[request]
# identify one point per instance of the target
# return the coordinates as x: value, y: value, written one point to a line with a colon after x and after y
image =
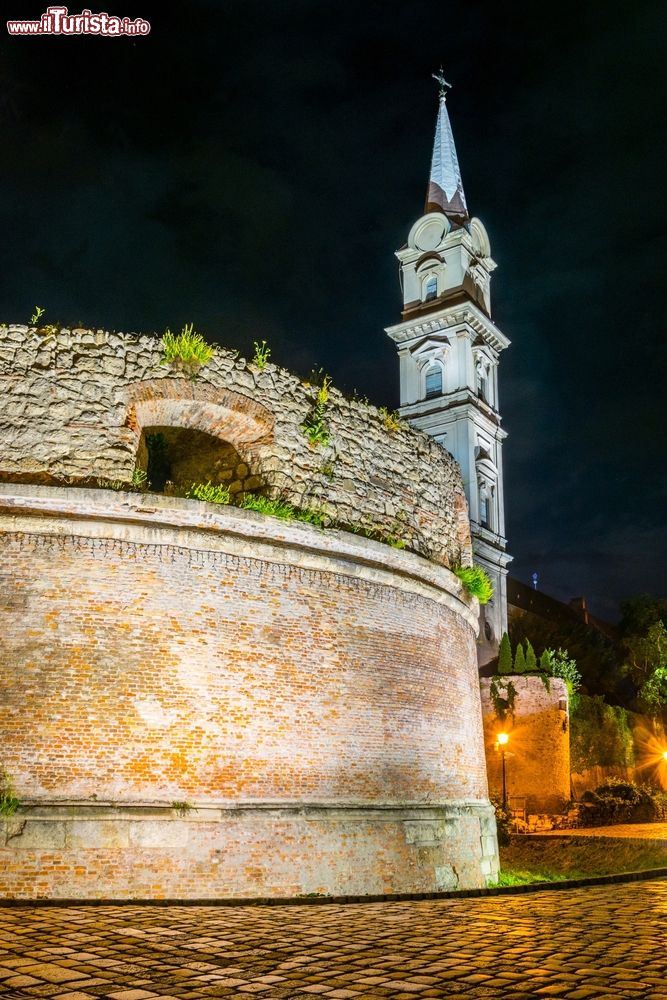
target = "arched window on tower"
x: 433, y: 380
x: 484, y: 505
x: 431, y: 288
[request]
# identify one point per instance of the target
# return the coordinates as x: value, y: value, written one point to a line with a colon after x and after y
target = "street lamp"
x: 503, y: 740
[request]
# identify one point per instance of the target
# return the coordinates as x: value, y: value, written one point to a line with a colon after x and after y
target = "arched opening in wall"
x: 174, y: 458
x: 189, y: 434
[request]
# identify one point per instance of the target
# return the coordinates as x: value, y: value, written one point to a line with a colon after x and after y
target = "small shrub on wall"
x: 209, y: 492
x: 476, y: 581
x: 186, y: 351
x: 8, y: 800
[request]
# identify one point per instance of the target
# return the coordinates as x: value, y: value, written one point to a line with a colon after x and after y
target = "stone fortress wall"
x: 203, y: 701
x: 73, y: 405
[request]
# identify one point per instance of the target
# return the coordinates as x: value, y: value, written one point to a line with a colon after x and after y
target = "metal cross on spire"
x: 440, y: 77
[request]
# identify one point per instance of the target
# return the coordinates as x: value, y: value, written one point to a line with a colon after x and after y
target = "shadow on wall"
x: 175, y: 457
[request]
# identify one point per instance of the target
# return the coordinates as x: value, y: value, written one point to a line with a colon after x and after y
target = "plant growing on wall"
x: 186, y: 351
x: 8, y: 800
x: 314, y: 426
x: 395, y: 541
x: 208, y: 493
x: 263, y: 505
x: 37, y: 315
x: 503, y: 697
x: 139, y: 480
x: 284, y: 510
x: 558, y: 663
x: 476, y: 581
x: 261, y: 355
x: 391, y: 419
x: 182, y: 807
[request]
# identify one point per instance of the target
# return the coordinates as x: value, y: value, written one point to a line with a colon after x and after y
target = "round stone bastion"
x: 206, y: 702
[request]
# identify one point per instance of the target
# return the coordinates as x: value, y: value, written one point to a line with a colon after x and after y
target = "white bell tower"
x: 449, y: 350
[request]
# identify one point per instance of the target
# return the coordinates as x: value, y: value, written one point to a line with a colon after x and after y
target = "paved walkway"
x: 594, y: 943
x: 636, y: 831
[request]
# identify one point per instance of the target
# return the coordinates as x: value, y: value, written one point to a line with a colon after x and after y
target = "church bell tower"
x: 449, y: 350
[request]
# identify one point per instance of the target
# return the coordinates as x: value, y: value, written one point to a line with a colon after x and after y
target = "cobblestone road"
x: 580, y: 944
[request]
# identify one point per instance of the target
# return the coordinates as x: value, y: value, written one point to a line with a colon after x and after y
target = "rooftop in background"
x: 521, y: 595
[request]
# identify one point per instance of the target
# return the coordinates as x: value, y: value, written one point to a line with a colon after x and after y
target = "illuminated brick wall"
x: 538, y: 751
x: 312, y: 694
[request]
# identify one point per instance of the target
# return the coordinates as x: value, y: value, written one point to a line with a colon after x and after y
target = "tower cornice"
x: 459, y: 314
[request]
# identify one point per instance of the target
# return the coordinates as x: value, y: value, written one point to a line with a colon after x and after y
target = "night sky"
x: 252, y: 167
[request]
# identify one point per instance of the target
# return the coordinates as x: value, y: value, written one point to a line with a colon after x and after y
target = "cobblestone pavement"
x: 593, y: 943
x: 635, y: 831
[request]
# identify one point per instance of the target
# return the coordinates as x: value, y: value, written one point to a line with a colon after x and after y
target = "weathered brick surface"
x: 156, y: 650
x: 73, y: 405
x: 538, y: 753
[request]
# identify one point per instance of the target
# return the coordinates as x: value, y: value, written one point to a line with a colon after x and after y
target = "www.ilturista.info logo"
x: 58, y: 21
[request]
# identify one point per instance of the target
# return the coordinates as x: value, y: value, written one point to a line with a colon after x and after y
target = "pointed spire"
x: 445, y: 188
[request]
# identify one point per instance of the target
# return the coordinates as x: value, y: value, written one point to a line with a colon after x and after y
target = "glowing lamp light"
x: 664, y: 754
x: 503, y: 739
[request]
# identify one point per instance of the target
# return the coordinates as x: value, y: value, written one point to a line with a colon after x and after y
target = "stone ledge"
x: 152, y: 519
x: 419, y: 849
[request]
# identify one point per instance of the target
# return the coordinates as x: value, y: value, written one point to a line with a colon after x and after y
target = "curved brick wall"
x: 538, y: 754
x: 313, y: 694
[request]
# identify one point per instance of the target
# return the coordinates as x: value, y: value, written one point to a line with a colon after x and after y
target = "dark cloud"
x: 252, y: 166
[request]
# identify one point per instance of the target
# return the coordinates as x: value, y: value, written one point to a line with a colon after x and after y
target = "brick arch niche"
x: 188, y: 433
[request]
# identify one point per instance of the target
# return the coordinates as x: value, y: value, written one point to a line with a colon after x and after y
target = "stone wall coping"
x: 161, y: 520
x: 39, y: 809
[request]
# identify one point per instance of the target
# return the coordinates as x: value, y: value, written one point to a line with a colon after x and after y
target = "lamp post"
x: 503, y: 740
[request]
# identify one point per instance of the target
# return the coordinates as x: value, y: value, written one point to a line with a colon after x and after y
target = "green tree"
x: 531, y: 659
x: 646, y: 662
x: 639, y: 613
x: 598, y: 658
x: 519, y: 660
x: 563, y: 666
x: 505, y: 655
x: 545, y: 662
